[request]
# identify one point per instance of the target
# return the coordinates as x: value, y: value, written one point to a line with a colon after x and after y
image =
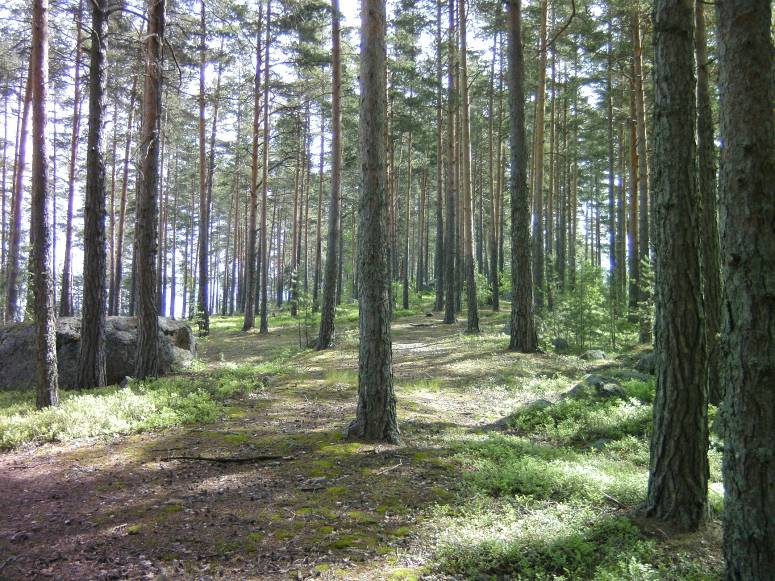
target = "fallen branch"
x: 388, y: 469
x: 237, y: 459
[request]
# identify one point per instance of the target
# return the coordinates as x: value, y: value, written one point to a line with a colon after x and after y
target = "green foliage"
x: 139, y: 407
x: 583, y: 420
x: 584, y: 316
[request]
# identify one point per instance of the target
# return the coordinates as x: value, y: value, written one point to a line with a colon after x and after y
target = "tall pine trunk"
x: 65, y: 298
x: 465, y: 170
x: 12, y: 267
x: 747, y: 188
x: 706, y: 157
x: 327, y: 318
x: 678, y: 466
x: 147, y: 364
x: 523, y: 330
x: 376, y: 412
x: 41, y: 280
x: 91, y: 360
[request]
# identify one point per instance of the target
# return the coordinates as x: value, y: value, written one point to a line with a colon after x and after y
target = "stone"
x: 560, y: 345
x: 647, y: 363
x: 596, y: 386
x: 177, y: 348
x: 507, y: 328
x: 593, y: 355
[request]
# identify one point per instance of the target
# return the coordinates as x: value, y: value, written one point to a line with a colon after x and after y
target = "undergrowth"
x: 553, y: 497
x: 141, y: 406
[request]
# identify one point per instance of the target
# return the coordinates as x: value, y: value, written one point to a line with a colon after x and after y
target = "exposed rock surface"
x: 593, y: 355
x: 177, y: 347
x: 596, y: 386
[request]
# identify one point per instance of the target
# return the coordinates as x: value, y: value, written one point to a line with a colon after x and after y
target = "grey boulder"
x: 177, y: 348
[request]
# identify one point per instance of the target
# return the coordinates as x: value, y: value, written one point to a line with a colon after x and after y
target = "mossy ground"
x: 483, y: 485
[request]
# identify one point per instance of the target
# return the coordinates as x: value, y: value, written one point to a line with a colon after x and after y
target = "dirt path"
x: 323, y: 507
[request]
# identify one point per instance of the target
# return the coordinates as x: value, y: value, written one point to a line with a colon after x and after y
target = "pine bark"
x: 65, y: 298
x: 706, y: 157
x: 747, y: 190
x: 472, y: 325
x: 263, y: 254
x: 328, y: 315
x: 376, y: 412
x: 12, y: 267
x: 114, y: 298
x: 147, y: 364
x: 251, y: 234
x: 678, y: 466
x: 643, y: 180
x: 47, y: 389
x: 202, y: 303
x: 438, y: 264
x: 91, y: 359
x: 523, y: 331
x: 539, y: 276
x: 450, y: 238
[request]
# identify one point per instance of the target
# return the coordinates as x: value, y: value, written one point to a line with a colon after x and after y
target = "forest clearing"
x: 387, y: 289
x: 484, y: 483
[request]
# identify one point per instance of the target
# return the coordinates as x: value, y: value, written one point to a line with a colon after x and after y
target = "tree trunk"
x: 12, y: 268
x: 613, y: 255
x: 643, y: 181
x: 47, y: 389
x: 632, y: 242
x: 747, y: 180
x: 114, y: 299
x: 376, y: 412
x: 438, y: 264
x: 318, y: 236
x: 91, y: 360
x: 523, y: 330
x: 263, y: 254
x: 450, y: 245
x: 202, y: 306
x: 407, y: 226
x: 65, y: 298
x: 250, y: 255
x: 465, y: 168
x: 706, y: 156
x: 678, y: 466
x: 146, y: 228
x: 327, y: 318
x: 538, y: 177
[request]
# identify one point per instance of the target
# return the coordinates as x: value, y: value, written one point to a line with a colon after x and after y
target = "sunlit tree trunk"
x: 12, y: 267
x: 65, y: 298
x: 465, y: 169
x: 47, y: 388
x: 263, y: 254
x: 523, y: 331
x: 147, y: 364
x: 91, y: 360
x: 678, y: 466
x: 376, y: 412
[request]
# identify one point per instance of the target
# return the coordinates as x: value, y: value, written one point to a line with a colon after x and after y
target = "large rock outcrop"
x: 177, y: 347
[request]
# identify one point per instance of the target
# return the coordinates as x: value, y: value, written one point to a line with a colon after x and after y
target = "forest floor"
x: 483, y: 484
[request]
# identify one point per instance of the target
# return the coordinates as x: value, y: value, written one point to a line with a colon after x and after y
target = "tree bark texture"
x: 147, y: 203
x: 523, y: 330
x: 376, y: 412
x: 747, y: 188
x: 678, y: 467
x: 47, y: 388
x: 91, y: 360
